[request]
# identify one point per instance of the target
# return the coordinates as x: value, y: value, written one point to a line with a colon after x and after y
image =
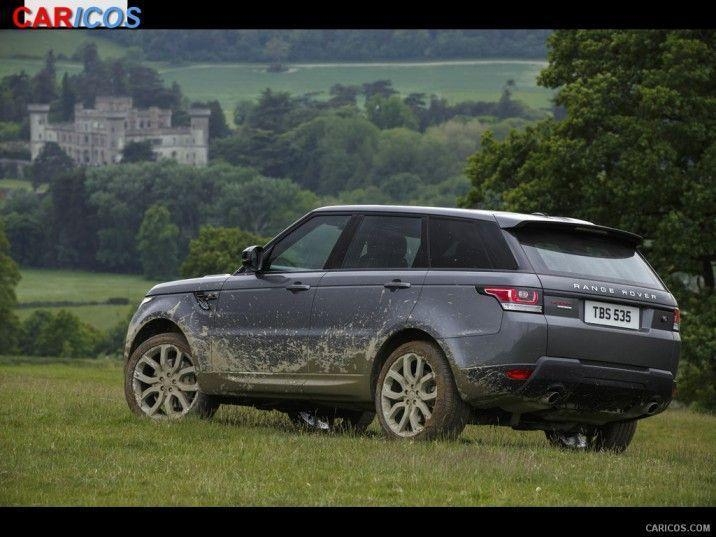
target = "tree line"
x: 275, y: 46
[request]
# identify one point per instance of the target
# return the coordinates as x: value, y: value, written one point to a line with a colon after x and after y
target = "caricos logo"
x: 76, y: 14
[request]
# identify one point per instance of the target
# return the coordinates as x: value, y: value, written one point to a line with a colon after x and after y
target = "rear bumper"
x: 570, y: 390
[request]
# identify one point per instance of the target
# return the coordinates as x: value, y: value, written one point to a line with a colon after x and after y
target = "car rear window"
x: 386, y: 242
x: 583, y: 255
x: 468, y: 244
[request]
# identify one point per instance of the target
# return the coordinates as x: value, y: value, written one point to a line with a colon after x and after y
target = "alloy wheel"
x: 408, y: 395
x: 164, y: 382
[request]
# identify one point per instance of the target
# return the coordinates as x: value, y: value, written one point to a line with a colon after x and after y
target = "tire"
x: 413, y: 404
x: 614, y: 437
x: 158, y: 387
x: 342, y: 421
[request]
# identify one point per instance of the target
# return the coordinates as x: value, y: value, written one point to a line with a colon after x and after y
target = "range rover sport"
x: 428, y: 318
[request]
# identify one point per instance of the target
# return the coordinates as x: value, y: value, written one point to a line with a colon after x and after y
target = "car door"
x: 262, y: 319
x: 372, y: 289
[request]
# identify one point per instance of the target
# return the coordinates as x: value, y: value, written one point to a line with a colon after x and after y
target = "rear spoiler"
x: 630, y: 238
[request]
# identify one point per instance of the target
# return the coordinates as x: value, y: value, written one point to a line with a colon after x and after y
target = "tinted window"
x: 386, y: 242
x: 308, y: 246
x: 586, y: 256
x: 468, y: 244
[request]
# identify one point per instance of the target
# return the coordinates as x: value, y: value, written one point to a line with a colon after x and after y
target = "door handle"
x: 298, y: 286
x: 397, y: 284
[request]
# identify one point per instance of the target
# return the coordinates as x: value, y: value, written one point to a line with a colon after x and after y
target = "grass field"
x: 102, y: 316
x: 35, y: 44
x: 38, y: 285
x: 456, y: 81
x: 69, y: 439
x: 15, y: 184
x: 231, y: 83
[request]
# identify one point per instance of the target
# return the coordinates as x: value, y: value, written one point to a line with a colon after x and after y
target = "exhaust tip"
x: 652, y: 407
x: 553, y: 396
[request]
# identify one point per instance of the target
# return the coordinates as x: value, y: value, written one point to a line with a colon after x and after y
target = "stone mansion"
x: 98, y: 135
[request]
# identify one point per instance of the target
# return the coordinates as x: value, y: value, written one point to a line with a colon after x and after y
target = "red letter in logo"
x: 62, y: 17
x: 42, y: 19
x: 16, y: 17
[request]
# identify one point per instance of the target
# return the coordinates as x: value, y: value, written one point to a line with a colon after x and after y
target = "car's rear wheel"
x: 615, y: 437
x: 356, y: 421
x: 160, y: 380
x: 416, y: 396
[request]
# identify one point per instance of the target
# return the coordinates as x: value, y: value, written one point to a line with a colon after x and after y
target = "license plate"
x: 611, y: 314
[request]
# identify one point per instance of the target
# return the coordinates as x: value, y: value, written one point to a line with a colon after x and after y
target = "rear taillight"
x: 677, y: 319
x: 518, y: 374
x: 516, y: 298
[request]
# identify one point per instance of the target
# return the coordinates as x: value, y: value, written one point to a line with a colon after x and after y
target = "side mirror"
x: 252, y: 258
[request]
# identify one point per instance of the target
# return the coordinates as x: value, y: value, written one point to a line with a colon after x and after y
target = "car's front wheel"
x: 160, y: 380
x: 416, y: 396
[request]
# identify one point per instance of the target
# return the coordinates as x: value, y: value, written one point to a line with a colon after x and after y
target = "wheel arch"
x: 152, y: 328
x: 395, y: 340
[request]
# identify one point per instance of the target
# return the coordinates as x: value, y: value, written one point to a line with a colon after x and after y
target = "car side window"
x: 308, y: 246
x: 468, y: 244
x: 386, y: 242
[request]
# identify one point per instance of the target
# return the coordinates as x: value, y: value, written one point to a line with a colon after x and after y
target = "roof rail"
x: 540, y: 214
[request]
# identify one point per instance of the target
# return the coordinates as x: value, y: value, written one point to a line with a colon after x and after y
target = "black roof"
x: 504, y: 219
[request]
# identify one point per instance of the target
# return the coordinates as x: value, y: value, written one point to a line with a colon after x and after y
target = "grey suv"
x: 429, y: 318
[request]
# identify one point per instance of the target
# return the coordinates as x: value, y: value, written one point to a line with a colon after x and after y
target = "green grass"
x: 69, y: 439
x: 456, y: 81
x: 15, y: 184
x: 231, y: 83
x: 79, y: 286
x: 40, y: 285
x: 21, y: 184
x: 12, y: 66
x: 102, y: 316
x: 35, y: 44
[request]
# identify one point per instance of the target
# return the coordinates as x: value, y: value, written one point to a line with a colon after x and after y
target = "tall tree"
x: 379, y: 88
x: 272, y: 111
x: 119, y: 83
x: 138, y: 152
x: 147, y: 89
x: 217, y: 250
x: 15, y: 94
x: 343, y: 95
x: 390, y: 113
x: 94, y: 79
x: 157, y: 243
x: 68, y: 97
x: 51, y: 162
x: 264, y: 206
x: 44, y: 85
x: 218, y: 128
x: 9, y: 278
x: 74, y: 221
x: 277, y: 51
